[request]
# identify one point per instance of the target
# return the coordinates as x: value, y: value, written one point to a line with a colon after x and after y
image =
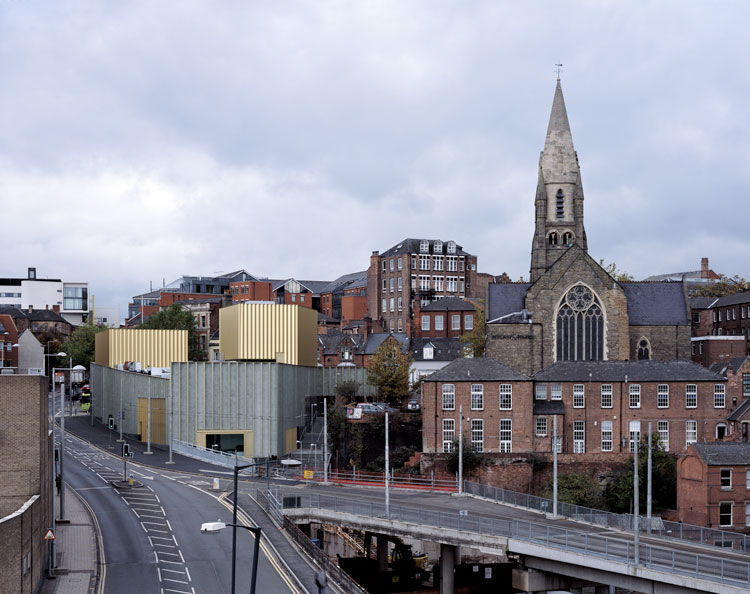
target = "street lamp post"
x: 214, y: 527
x: 460, y: 448
x: 314, y: 448
x: 387, y: 491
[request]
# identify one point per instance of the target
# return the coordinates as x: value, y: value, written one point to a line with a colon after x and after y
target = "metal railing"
x: 658, y: 526
x: 270, y: 502
x: 614, y: 548
x: 377, y: 479
x: 208, y: 455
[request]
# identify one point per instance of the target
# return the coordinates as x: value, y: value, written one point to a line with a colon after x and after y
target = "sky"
x: 141, y: 140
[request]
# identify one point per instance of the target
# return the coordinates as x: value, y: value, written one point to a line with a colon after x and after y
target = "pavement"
x: 78, y: 541
x: 77, y: 549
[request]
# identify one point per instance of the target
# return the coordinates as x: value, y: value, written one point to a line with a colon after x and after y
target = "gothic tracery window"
x: 580, y: 326
x: 644, y: 349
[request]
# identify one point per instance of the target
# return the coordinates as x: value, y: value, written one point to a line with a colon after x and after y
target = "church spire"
x: 559, y: 194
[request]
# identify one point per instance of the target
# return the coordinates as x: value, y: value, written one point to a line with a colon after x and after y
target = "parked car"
x: 413, y: 405
x: 385, y: 407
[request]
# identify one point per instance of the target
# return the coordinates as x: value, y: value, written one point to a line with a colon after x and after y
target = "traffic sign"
x: 50, y: 535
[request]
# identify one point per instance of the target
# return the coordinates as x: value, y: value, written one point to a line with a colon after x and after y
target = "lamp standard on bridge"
x: 215, y: 527
x: 387, y: 491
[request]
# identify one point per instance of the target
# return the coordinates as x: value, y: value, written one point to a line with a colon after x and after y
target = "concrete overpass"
x: 548, y: 556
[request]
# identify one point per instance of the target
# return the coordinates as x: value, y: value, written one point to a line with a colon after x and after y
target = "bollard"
x: 130, y: 481
x: 216, y: 484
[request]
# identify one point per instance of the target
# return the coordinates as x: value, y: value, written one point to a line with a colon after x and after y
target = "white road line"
x: 144, y: 528
x: 159, y: 531
x: 163, y: 538
x: 175, y: 571
x: 188, y: 573
x: 158, y: 571
x: 171, y: 555
x: 136, y: 513
x: 180, y: 591
x: 170, y: 525
x: 89, y: 488
x: 165, y: 561
x: 155, y: 524
x: 176, y: 581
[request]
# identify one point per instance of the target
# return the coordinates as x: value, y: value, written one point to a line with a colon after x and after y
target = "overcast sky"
x: 140, y: 141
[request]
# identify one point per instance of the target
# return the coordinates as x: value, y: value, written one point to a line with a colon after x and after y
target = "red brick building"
x: 710, y: 350
x: 336, y: 348
x: 496, y: 403
x: 345, y: 299
x: 446, y: 318
x: 713, y: 486
x: 417, y: 269
x: 251, y: 291
x: 725, y: 320
x: 602, y: 407
x: 8, y: 338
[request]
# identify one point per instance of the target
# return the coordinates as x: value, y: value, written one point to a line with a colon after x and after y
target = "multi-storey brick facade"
x: 446, y: 318
x: 713, y: 486
x: 25, y: 489
x: 602, y: 407
x: 710, y: 350
x: 242, y: 291
x: 424, y: 269
x: 725, y: 316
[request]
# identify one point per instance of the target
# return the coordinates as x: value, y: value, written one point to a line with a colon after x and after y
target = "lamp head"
x: 212, y: 527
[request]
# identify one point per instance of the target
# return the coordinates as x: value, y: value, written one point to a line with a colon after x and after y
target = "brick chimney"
x: 56, y: 308
x: 31, y: 308
x: 704, y: 267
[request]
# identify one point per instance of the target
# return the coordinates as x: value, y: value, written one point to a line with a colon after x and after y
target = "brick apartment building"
x: 47, y: 325
x: 602, y: 407
x: 26, y: 488
x: 417, y: 269
x: 205, y: 310
x: 727, y: 316
x: 446, y: 318
x: 345, y: 299
x: 713, y: 486
x: 249, y: 290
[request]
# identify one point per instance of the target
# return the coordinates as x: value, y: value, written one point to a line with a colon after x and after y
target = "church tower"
x: 559, y: 194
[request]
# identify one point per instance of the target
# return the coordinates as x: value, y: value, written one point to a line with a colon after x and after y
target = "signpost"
x: 126, y: 453
x: 50, y: 538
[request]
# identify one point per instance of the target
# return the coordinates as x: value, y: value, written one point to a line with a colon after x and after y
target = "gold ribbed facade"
x: 269, y: 332
x: 151, y: 348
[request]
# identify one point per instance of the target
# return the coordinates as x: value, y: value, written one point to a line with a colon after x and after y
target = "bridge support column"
x: 447, y: 568
x: 382, y: 553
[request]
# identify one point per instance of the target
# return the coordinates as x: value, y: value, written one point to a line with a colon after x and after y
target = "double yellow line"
x: 244, y: 519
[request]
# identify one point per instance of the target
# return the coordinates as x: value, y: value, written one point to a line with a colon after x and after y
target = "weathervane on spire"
x: 559, y: 70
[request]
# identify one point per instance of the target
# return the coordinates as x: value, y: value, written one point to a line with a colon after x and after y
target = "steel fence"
x: 377, y: 479
x: 605, y: 546
x: 605, y: 519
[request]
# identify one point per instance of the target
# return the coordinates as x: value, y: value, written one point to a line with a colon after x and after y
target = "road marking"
x: 90, y: 488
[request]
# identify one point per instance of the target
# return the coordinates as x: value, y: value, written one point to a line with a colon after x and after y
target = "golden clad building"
x: 269, y: 332
x: 151, y: 348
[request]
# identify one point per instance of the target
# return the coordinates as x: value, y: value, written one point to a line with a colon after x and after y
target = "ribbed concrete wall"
x: 108, y: 384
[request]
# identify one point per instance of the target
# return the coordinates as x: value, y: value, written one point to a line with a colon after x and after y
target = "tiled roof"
x: 333, y: 340
x: 701, y: 302
x: 449, y: 304
x: 633, y: 371
x: 35, y: 315
x: 740, y: 411
x: 720, y: 453
x: 735, y: 299
x: 475, y: 369
x: 411, y: 246
x: 506, y: 299
x: 327, y: 319
x: 199, y: 300
x: 721, y: 367
x: 347, y: 281
x: 374, y: 341
x: 445, y: 349
x: 656, y: 304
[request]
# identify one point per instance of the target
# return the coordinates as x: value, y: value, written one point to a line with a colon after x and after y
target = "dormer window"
x: 424, y: 246
x: 438, y: 247
x: 451, y: 247
x: 560, y: 204
x: 428, y: 351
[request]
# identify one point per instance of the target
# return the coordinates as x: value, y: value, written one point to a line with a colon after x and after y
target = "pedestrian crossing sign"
x: 50, y: 535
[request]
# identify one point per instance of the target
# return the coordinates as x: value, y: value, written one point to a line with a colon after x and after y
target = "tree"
x: 470, y: 459
x: 347, y: 390
x: 176, y: 318
x: 619, y: 495
x: 389, y: 372
x: 722, y: 287
x: 474, y: 341
x: 619, y: 275
x: 81, y: 344
x: 577, y: 489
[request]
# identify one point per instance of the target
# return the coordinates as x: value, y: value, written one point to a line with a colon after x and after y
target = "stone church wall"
x: 667, y: 342
x: 519, y: 346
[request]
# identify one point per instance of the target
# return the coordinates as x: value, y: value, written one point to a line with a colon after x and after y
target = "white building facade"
x: 70, y: 299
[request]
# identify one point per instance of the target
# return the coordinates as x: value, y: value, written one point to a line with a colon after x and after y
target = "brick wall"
x: 717, y: 349
x: 25, y: 446
x: 518, y: 346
